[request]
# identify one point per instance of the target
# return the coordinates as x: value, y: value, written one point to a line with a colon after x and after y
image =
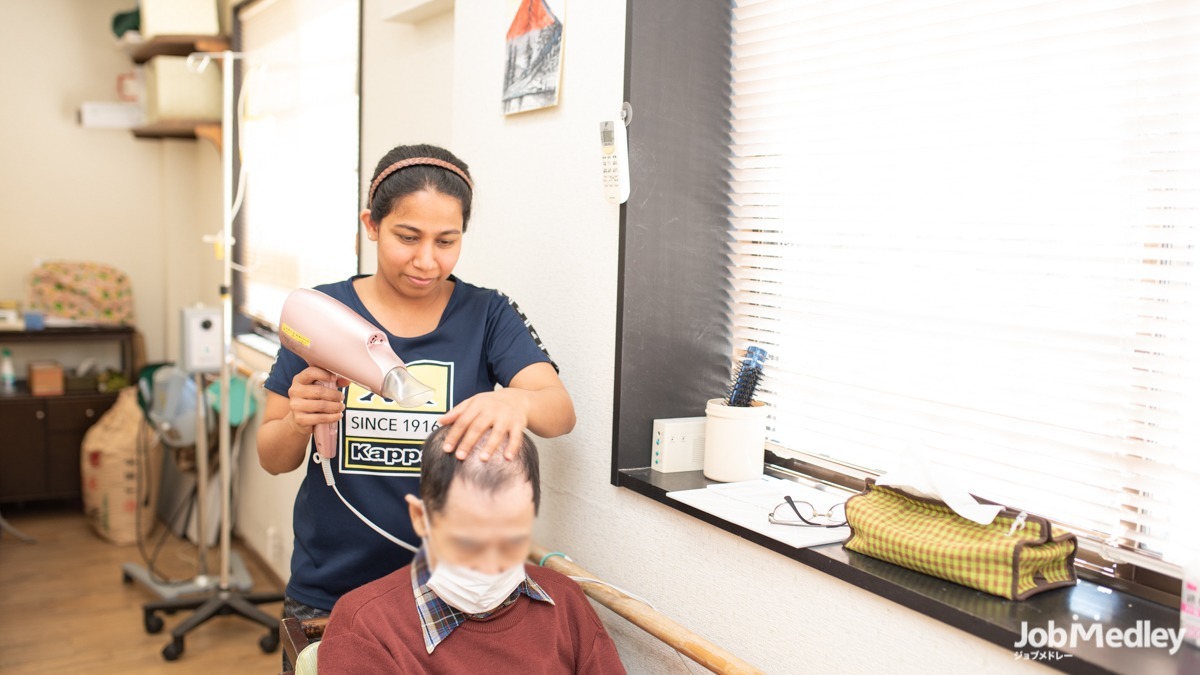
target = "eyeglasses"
x: 803, y: 514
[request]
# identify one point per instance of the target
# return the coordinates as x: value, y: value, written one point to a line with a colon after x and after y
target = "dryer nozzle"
x: 406, y: 390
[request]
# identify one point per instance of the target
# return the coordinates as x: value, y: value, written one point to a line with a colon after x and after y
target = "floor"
x: 65, y: 608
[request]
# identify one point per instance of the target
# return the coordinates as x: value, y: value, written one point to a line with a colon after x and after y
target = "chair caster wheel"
x: 269, y: 642
x: 152, y: 622
x: 126, y: 578
x: 173, y: 650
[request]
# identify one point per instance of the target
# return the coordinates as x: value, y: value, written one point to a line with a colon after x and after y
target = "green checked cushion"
x: 927, y: 536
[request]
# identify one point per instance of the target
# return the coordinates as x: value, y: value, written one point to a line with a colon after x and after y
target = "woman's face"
x: 419, y: 242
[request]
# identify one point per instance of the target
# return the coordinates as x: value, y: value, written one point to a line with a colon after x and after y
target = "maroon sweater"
x: 376, y: 629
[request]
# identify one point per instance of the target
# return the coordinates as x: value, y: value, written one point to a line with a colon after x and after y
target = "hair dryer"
x: 327, y: 334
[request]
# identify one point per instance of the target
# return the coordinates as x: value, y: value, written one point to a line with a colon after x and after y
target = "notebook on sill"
x: 747, y: 504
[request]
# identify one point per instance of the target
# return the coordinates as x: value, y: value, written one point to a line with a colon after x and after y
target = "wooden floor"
x: 64, y: 607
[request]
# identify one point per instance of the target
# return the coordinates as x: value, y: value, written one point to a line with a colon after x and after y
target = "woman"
x: 460, y: 339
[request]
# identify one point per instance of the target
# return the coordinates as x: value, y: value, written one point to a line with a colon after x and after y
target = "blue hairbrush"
x: 745, y: 378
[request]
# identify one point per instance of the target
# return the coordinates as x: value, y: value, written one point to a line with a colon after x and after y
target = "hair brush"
x: 745, y: 377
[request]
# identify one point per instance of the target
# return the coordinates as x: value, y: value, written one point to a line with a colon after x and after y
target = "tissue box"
x: 174, y: 92
x: 46, y: 378
x: 179, y: 17
x: 82, y: 384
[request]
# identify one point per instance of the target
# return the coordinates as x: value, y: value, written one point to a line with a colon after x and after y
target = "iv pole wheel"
x: 173, y: 650
x: 152, y: 622
x: 269, y: 642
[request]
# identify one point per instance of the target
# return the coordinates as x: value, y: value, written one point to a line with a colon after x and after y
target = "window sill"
x: 985, y: 616
x: 256, y: 353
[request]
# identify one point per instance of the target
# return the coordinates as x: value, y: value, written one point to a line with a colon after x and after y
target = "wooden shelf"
x: 209, y: 131
x: 176, y: 45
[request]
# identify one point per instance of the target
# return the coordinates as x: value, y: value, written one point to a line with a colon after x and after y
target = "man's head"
x: 480, y: 514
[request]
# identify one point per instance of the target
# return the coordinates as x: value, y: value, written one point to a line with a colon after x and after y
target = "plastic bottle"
x: 8, y: 375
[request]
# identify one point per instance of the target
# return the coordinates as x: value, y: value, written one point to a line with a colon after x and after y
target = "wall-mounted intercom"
x: 614, y: 160
x: 203, y: 340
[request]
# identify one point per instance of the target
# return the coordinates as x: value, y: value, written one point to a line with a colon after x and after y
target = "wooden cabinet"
x: 41, y: 454
x: 40, y: 449
x: 22, y: 453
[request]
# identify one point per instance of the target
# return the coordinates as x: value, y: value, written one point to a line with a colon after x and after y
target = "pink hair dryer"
x: 329, y: 335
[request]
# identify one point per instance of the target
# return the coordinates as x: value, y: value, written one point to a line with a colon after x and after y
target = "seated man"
x: 468, y: 603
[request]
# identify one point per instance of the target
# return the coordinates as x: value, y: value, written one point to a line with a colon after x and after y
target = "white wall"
x: 97, y: 195
x: 407, y: 83
x: 544, y: 234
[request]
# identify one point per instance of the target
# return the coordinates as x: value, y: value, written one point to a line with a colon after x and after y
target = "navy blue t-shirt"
x: 482, y: 340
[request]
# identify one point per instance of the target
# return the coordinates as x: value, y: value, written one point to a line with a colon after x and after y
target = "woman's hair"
x: 416, y: 177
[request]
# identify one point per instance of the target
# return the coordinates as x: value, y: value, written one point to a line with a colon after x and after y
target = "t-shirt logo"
x: 380, y: 438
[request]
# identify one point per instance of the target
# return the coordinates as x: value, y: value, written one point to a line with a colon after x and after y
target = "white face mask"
x: 468, y: 590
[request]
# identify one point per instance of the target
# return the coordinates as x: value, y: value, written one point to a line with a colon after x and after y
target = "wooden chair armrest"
x: 296, y: 634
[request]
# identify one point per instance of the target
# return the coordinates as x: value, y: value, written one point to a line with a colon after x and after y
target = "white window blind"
x: 970, y: 228
x: 299, y: 148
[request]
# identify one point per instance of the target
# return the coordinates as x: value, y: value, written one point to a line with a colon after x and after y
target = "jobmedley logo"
x: 1042, y: 643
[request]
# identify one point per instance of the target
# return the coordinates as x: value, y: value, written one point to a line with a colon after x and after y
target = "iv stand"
x: 224, y: 599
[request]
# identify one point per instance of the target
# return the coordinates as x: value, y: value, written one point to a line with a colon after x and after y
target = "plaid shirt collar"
x: 438, y: 619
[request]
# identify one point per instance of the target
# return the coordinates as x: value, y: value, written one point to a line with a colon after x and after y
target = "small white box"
x: 111, y: 115
x: 175, y: 92
x: 678, y: 444
x: 203, y: 340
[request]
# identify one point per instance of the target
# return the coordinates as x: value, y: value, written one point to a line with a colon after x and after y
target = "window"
x: 969, y: 228
x: 298, y: 150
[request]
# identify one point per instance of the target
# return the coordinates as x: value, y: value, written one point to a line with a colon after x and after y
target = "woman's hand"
x: 535, y: 399
x: 503, y: 412
x: 288, y: 421
x: 312, y: 400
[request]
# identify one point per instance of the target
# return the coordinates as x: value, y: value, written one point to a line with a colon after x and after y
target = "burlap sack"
x: 111, y: 463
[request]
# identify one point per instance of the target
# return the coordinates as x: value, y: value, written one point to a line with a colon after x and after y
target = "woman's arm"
x: 534, y: 399
x: 288, y: 421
